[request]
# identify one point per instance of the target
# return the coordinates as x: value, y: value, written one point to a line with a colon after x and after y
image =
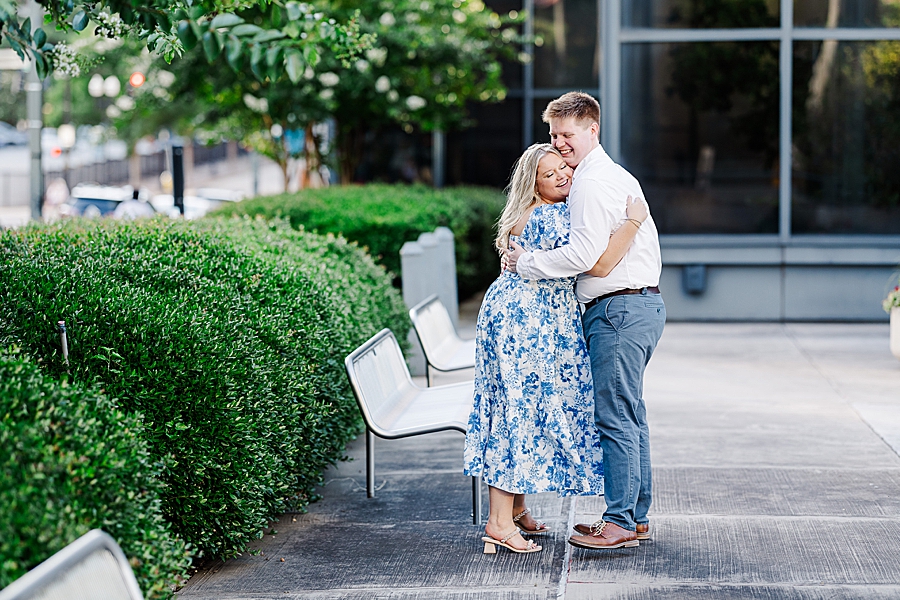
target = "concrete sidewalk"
x: 774, y: 478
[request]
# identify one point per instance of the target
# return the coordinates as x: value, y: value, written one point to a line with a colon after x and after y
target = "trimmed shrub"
x: 72, y: 461
x: 229, y: 337
x: 382, y: 217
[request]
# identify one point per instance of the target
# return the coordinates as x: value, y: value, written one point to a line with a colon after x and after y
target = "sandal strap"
x: 521, y: 514
x: 510, y: 536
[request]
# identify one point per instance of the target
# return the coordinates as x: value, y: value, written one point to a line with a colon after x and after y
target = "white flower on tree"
x: 382, y: 84
x: 64, y: 60
x: 329, y: 79
x: 377, y: 56
x: 260, y: 105
x: 415, y: 102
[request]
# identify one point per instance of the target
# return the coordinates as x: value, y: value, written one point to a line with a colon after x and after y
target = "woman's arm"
x: 635, y: 213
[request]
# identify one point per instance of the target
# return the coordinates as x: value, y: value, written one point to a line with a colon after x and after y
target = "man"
x: 623, y: 318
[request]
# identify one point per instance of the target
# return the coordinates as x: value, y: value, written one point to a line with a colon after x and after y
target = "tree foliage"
x: 429, y: 60
x: 432, y: 59
x: 277, y: 37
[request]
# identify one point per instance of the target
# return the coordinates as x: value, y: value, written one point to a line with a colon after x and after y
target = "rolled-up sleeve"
x: 594, y: 213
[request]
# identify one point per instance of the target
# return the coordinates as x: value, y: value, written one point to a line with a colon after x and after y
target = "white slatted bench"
x: 444, y: 350
x: 394, y: 407
x: 91, y: 567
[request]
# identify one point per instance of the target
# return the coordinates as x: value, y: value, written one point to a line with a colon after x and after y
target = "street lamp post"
x: 34, y: 92
x: 178, y: 177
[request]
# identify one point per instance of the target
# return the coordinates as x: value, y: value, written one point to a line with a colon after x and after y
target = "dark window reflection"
x: 390, y: 155
x: 846, y: 13
x: 846, y: 154
x: 540, y: 131
x: 566, y: 54
x: 484, y: 153
x: 700, y: 132
x: 700, y: 14
x: 512, y: 70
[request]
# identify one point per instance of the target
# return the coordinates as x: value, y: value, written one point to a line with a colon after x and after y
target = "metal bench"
x: 93, y: 566
x: 394, y: 407
x: 444, y: 350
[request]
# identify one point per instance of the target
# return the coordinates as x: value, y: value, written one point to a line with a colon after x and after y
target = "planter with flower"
x: 892, y: 305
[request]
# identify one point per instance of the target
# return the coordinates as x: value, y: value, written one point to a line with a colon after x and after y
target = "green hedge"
x: 382, y: 217
x: 72, y: 461
x: 229, y: 336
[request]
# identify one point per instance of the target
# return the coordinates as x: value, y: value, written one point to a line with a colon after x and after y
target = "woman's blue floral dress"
x: 532, y: 424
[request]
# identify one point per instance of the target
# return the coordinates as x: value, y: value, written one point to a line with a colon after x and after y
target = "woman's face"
x: 554, y: 178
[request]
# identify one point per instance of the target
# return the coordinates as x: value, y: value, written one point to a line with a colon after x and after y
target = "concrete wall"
x: 748, y: 278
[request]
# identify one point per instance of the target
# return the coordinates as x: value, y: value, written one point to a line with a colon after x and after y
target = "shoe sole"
x: 490, y: 547
x: 535, y: 532
x: 642, y: 537
x: 631, y: 544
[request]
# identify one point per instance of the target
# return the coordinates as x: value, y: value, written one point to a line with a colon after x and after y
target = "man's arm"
x: 593, y: 213
x: 636, y: 213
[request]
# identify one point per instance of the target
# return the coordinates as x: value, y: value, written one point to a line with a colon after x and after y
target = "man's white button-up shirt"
x: 597, y: 208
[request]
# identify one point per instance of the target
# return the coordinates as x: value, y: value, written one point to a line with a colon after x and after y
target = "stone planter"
x: 895, y: 331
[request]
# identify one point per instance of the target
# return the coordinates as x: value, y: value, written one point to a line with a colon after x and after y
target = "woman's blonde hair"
x: 521, y: 191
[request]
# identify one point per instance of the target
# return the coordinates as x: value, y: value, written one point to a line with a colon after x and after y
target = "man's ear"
x: 595, y: 129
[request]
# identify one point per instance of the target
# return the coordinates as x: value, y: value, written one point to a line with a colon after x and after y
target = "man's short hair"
x: 578, y: 105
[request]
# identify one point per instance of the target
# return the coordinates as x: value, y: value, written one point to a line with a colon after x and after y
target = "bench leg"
x: 370, y: 464
x: 427, y: 374
x: 476, y: 500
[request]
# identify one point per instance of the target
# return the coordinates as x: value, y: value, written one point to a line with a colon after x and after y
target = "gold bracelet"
x: 635, y: 221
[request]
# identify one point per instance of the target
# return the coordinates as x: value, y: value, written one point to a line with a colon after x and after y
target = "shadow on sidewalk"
x: 415, y: 539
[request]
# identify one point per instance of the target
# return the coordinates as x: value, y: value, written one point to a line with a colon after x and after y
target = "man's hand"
x: 512, y: 256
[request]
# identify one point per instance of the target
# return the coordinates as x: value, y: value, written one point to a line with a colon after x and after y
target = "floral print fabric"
x: 532, y: 424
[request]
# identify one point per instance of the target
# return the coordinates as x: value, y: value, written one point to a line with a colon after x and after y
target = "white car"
x: 196, y: 205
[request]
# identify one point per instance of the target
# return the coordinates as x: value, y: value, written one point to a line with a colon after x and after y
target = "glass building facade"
x: 759, y: 125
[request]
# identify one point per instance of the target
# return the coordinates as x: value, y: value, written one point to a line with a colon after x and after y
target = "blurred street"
x: 235, y: 175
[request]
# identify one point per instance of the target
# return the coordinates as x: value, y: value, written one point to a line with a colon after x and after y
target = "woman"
x: 532, y: 426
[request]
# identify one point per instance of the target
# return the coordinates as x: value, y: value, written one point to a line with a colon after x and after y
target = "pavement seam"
x: 768, y: 517
x: 567, y: 555
x: 737, y: 584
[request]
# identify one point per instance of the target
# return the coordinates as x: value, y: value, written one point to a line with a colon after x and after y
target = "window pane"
x: 846, y: 13
x: 566, y: 54
x: 512, y: 70
x: 484, y: 154
x: 540, y: 131
x: 846, y: 154
x: 700, y: 132
x: 700, y: 14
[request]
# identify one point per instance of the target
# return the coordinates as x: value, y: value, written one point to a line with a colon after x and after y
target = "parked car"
x: 197, y: 204
x: 10, y: 136
x: 91, y: 200
x: 194, y: 206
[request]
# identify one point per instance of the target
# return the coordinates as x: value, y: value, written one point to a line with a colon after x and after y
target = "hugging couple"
x: 558, y: 386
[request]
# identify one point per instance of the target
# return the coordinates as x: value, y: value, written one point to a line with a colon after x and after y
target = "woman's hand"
x: 636, y: 208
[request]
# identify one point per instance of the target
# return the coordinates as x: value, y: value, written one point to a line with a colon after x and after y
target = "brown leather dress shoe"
x: 642, y: 530
x: 605, y: 535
